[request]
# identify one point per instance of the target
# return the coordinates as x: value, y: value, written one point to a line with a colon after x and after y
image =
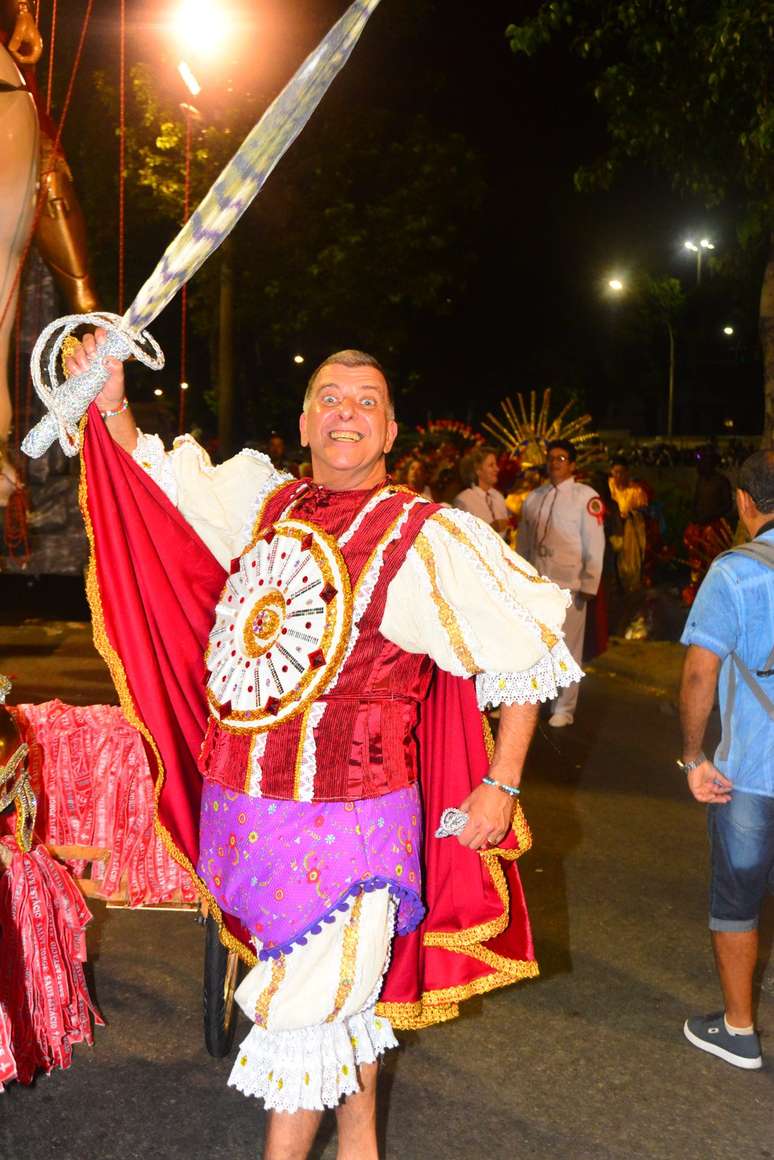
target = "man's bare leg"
x: 356, y: 1119
x: 289, y: 1135
x: 736, y: 953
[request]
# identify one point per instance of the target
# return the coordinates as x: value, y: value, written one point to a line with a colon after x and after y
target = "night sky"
x: 534, y: 313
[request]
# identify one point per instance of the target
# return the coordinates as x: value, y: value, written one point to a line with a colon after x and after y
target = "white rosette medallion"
x: 281, y: 626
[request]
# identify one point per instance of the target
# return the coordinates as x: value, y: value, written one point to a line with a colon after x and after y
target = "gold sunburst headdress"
x: 527, y: 432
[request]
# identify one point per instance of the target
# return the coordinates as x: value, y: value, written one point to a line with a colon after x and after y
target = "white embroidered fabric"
x: 151, y: 455
x: 308, y: 768
x: 257, y: 750
x: 273, y: 479
x: 540, y: 683
x: 476, y: 530
x: 314, y: 1067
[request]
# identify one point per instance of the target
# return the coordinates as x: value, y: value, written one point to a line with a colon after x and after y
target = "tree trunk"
x: 671, y: 389
x: 766, y: 323
x: 226, y: 352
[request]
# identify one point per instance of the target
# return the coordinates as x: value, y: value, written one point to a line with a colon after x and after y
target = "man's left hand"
x: 708, y: 784
x: 491, y: 812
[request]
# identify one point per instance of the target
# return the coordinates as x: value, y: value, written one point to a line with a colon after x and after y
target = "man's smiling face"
x: 348, y: 426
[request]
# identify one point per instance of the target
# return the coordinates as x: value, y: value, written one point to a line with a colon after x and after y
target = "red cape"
x: 152, y: 586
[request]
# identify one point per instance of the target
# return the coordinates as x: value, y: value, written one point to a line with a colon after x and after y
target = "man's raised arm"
x: 111, y: 400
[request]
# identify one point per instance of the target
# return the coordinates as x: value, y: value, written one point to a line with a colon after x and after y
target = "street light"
x: 616, y: 285
x: 698, y: 249
x: 729, y: 330
x: 298, y: 359
x: 202, y: 27
x: 190, y: 81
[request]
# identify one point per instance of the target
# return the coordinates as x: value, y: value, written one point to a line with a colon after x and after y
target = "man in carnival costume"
x: 355, y: 626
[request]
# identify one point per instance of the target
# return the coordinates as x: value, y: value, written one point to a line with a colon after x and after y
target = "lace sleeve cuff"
x: 542, y: 682
x: 152, y: 457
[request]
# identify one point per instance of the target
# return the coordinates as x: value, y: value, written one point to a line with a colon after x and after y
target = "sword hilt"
x: 67, y: 399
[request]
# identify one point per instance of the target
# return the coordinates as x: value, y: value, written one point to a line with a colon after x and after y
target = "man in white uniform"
x: 562, y: 533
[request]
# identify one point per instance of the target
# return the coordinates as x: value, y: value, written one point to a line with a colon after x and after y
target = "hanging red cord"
x: 183, y: 389
x: 17, y: 371
x: 121, y: 155
x: 51, y: 45
x: 15, y: 526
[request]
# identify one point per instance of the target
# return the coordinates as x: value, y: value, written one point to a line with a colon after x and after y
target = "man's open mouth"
x: 346, y: 436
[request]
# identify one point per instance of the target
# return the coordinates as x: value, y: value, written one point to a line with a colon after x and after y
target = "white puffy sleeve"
x: 220, y: 503
x: 464, y: 598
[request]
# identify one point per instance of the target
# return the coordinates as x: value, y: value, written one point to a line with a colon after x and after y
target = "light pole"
x: 202, y: 28
x: 618, y: 286
x: 698, y: 248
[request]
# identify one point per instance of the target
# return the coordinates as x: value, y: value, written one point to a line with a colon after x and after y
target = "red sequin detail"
x: 316, y: 658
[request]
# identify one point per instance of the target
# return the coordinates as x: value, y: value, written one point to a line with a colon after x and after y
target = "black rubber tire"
x: 221, y: 978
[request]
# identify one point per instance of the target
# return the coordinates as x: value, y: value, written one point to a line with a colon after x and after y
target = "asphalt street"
x: 589, y: 1061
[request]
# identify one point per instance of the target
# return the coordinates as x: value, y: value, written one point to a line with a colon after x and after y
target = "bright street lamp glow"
x: 201, y: 27
x: 706, y: 244
x: 691, y: 246
x: 728, y: 330
x: 184, y: 386
x: 298, y: 359
x: 158, y: 392
x: 616, y: 284
x: 190, y: 81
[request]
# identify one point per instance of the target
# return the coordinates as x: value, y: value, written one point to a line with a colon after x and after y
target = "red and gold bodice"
x: 308, y: 700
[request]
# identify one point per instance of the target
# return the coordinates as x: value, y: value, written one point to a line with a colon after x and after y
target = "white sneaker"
x: 559, y: 720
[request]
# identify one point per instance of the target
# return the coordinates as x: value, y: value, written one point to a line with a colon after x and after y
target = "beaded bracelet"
x: 513, y: 790
x: 120, y: 410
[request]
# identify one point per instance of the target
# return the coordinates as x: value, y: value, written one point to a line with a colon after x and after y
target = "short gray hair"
x: 351, y: 358
x: 756, y: 477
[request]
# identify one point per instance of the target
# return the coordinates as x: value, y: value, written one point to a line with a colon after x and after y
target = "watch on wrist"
x: 689, y: 766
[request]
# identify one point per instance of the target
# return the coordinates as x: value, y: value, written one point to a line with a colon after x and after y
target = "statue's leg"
x: 18, y: 182
x: 61, y: 232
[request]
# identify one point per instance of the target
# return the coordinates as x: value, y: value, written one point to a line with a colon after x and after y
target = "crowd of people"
x: 646, y: 542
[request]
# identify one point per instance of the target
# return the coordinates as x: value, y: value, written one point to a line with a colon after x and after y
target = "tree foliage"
x: 361, y: 237
x: 686, y: 86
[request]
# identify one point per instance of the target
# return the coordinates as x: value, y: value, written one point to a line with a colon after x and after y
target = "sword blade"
x: 236, y: 187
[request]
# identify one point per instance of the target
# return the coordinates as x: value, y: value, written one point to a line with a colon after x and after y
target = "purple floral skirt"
x: 282, y: 867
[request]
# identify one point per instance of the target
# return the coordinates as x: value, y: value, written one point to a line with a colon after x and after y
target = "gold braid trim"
x: 263, y: 1002
x: 114, y: 663
x: 348, y: 958
x: 445, y: 613
x: 549, y: 638
x: 441, y: 1005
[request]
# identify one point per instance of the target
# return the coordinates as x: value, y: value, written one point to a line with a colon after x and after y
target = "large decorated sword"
x: 67, y: 400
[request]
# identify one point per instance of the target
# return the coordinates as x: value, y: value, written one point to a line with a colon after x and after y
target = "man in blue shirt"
x: 730, y: 637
